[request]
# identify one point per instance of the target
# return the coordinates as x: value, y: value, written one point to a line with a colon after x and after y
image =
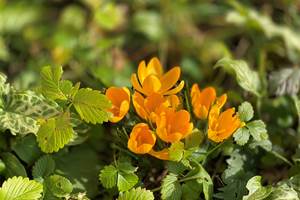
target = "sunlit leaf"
x: 55, y: 133
x: 246, y: 77
x: 19, y: 188
x: 92, y: 106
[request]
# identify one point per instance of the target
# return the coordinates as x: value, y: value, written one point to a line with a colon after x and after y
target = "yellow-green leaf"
x: 55, y: 133
x: 91, y: 105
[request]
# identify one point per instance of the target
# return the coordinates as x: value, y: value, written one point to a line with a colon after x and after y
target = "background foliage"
x: 99, y: 44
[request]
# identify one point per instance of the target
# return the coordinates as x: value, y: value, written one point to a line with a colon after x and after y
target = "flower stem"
x: 280, y: 157
x: 211, y: 151
x: 114, y: 146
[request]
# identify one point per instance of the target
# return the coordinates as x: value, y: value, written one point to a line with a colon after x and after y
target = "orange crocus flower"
x: 150, y: 79
x: 147, y: 108
x: 202, y: 100
x: 222, y: 125
x: 172, y: 126
x: 142, y: 140
x: 120, y: 99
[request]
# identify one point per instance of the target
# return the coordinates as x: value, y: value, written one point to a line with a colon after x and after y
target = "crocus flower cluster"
x: 156, y: 101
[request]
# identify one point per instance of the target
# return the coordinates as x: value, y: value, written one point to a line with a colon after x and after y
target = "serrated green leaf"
x: 108, y: 176
x: 246, y: 78
x: 44, y: 167
x: 27, y: 149
x: 245, y: 111
x: 50, y: 82
x: 55, y: 133
x: 256, y: 190
x: 171, y: 189
x: 126, y: 181
x: 13, y: 166
x: 19, y: 188
x: 241, y: 136
x: 22, y: 110
x: 176, y: 151
x: 176, y: 167
x: 136, y: 194
x: 59, y: 185
x: 92, y: 106
x: 258, y: 130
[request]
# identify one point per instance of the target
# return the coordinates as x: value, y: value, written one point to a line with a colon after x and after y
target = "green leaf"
x: 59, y: 185
x: 283, y: 192
x: 91, y: 105
x: 246, y: 78
x: 11, y: 22
x: 256, y: 190
x: 126, y: 181
x: 50, y: 82
x: 44, y: 167
x: 149, y: 23
x: 202, y: 178
x: 171, y: 189
x: 191, y: 190
x: 176, y: 151
x: 27, y: 149
x: 55, y: 133
x: 297, y: 105
x: 136, y: 194
x: 194, y: 139
x: 109, y: 16
x: 19, y: 188
x: 80, y: 164
x: 285, y: 81
x: 250, y: 18
x: 245, y: 111
x: 4, y: 87
x: 241, y: 136
x: 13, y: 166
x: 22, y: 110
x: 108, y: 176
x: 258, y: 130
x: 235, y: 176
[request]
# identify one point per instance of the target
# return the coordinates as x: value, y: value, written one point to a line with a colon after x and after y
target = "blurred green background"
x: 100, y: 43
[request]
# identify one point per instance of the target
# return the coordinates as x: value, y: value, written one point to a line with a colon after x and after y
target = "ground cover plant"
x: 141, y: 100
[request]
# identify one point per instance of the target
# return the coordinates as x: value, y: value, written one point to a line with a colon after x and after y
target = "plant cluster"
x: 106, y: 125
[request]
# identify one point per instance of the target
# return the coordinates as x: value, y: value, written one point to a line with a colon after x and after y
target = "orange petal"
x: 169, y: 79
x: 154, y: 67
x: 142, y: 71
x: 208, y: 96
x: 141, y: 139
x: 138, y: 103
x: 173, y: 101
x: 195, y: 90
x: 122, y: 112
x: 151, y: 85
x: 162, y: 155
x: 176, y: 89
x: 135, y: 83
